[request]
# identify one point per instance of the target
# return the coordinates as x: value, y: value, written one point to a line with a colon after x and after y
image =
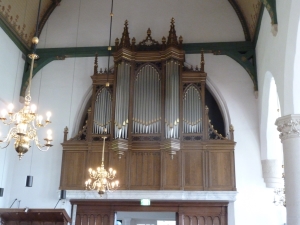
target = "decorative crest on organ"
x: 125, y: 40
x: 202, y: 62
x: 172, y: 38
x: 96, y: 64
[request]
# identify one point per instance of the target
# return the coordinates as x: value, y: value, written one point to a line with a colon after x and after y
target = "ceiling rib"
x: 241, y: 18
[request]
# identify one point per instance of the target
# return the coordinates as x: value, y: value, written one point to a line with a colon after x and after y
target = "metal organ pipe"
x: 192, y: 113
x: 146, y: 117
x: 172, y: 99
x: 122, y: 100
x: 102, y: 113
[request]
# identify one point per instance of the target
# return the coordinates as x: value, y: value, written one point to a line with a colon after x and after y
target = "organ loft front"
x: 163, y: 127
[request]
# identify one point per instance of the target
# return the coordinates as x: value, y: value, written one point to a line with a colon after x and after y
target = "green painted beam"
x: 241, y: 52
x: 13, y: 36
x: 271, y: 7
x: 246, y: 60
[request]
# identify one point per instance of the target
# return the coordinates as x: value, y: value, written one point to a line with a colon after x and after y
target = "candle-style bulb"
x: 33, y: 108
x: 48, y: 114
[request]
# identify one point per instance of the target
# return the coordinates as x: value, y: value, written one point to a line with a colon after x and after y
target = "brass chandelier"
x: 100, y: 179
x: 26, y: 121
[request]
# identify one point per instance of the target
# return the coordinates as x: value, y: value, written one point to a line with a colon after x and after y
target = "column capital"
x: 288, y: 126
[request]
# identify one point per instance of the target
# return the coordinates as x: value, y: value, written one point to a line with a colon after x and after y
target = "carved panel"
x: 172, y: 172
x: 221, y: 175
x: 145, y: 170
x: 73, y: 160
x: 204, y: 216
x: 95, y: 218
x: 193, y: 170
x: 120, y: 165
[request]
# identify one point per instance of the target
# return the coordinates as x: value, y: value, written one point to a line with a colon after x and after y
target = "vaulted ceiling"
x: 19, y: 17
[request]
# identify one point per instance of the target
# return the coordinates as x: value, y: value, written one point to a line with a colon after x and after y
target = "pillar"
x: 289, y: 128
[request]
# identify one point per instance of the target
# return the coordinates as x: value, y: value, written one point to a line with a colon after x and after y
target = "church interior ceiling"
x: 20, y: 16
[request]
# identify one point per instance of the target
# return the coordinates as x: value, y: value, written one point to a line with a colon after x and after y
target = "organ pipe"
x: 102, y: 113
x: 147, y: 101
x: 192, y: 112
x: 172, y: 100
x: 122, y: 101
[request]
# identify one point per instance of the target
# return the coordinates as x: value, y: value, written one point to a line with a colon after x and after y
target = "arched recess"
x: 271, y: 147
x: 270, y: 111
x: 221, y: 103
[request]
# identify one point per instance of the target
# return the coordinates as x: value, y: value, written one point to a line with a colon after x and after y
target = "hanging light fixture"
x: 100, y: 179
x: 26, y: 121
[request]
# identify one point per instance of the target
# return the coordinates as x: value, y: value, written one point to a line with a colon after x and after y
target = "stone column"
x: 289, y: 128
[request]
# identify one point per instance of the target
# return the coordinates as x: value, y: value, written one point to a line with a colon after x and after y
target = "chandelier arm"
x: 7, y: 123
x: 5, y: 145
x: 11, y: 134
x: 39, y: 146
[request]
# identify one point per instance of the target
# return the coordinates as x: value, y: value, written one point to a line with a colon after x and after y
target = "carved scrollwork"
x: 81, y: 136
x: 193, y: 138
x: 148, y: 44
x: 146, y: 138
x: 288, y: 126
x: 213, y: 134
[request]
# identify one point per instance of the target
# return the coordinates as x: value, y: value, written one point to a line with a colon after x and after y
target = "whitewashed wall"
x: 11, y: 64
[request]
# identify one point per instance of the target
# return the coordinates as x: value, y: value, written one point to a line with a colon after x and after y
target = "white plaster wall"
x: 194, y: 20
x: 11, y: 64
x: 234, y: 83
x: 276, y: 54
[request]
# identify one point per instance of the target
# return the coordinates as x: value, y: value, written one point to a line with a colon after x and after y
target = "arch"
x: 270, y: 111
x: 221, y: 103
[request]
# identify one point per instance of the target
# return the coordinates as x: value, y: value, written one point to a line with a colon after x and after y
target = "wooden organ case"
x: 159, y: 134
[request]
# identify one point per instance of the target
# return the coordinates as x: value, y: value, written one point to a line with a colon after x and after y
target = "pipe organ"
x: 154, y: 115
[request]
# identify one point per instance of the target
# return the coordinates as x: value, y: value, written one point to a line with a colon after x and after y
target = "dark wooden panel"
x: 120, y: 166
x: 94, y: 160
x: 193, y: 169
x: 221, y: 172
x: 172, y: 172
x: 73, y: 169
x: 34, y: 217
x: 145, y: 170
x: 189, y: 212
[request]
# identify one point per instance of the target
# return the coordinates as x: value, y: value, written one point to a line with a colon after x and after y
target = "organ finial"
x: 172, y: 38
x: 125, y: 40
x: 96, y: 64
x: 202, y: 61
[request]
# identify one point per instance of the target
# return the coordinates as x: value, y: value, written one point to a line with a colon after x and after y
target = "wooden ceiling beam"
x: 242, y: 52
